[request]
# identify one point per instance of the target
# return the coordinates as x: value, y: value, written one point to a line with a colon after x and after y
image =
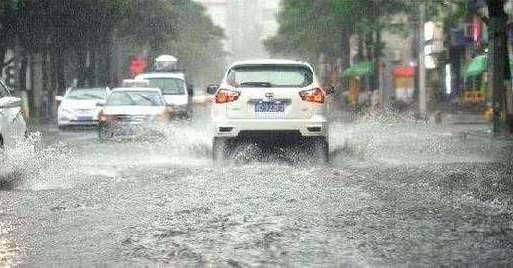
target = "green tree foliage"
x: 88, y: 27
x: 309, y: 28
x: 180, y: 28
x: 7, y: 31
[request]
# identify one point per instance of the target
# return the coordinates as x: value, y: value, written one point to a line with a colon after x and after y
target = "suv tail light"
x: 224, y: 96
x: 313, y: 95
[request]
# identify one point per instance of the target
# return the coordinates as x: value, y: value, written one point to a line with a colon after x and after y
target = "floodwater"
x: 396, y: 192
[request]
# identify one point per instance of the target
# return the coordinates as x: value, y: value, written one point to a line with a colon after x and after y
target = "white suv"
x: 270, y: 100
x: 175, y: 90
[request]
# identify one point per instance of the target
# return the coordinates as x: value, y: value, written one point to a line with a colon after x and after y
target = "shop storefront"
x: 404, y: 84
x: 358, y: 76
x: 476, y: 88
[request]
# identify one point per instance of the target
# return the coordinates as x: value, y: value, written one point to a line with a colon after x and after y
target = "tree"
x: 498, y: 70
x: 75, y: 39
x: 7, y: 18
x: 310, y: 28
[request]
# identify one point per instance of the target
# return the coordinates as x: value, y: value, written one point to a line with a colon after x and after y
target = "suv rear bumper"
x: 231, y: 128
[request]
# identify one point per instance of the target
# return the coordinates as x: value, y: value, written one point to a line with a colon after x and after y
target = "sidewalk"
x: 464, y: 118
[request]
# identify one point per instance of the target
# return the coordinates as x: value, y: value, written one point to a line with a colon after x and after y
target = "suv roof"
x: 269, y: 62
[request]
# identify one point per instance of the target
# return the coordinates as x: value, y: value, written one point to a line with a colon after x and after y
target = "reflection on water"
x: 8, y: 250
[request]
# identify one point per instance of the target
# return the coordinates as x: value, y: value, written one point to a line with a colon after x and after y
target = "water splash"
x: 31, y: 162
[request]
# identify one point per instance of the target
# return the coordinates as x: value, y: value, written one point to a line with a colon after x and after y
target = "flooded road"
x: 395, y: 193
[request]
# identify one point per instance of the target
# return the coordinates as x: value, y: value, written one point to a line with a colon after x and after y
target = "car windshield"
x: 87, y: 94
x: 270, y: 76
x: 135, y: 98
x: 168, y: 86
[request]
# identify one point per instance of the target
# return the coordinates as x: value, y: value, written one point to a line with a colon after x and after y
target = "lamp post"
x: 421, y: 63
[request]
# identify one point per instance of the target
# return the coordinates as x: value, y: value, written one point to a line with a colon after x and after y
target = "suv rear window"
x: 270, y: 76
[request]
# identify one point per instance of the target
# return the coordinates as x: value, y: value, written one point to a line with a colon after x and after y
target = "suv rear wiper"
x: 256, y: 84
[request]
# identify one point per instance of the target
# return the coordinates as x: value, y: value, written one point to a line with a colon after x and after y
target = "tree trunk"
x: 3, y: 51
x: 108, y: 77
x: 102, y: 70
x: 46, y: 92
x: 377, y: 60
x: 345, y: 57
x: 371, y: 51
x: 61, y: 79
x: 92, y: 69
x: 498, y: 56
x: 82, y: 68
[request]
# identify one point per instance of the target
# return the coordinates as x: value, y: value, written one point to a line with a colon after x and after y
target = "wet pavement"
x: 397, y: 192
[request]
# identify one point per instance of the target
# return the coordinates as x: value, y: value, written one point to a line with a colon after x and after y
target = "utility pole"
x: 497, y: 59
x: 421, y: 62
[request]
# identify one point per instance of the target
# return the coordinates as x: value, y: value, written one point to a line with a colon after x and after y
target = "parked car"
x: 267, y: 100
x: 12, y: 123
x: 132, y: 111
x: 78, y: 107
x: 175, y: 90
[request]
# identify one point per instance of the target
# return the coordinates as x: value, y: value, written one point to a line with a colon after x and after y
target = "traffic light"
x: 10, y: 73
x: 137, y: 66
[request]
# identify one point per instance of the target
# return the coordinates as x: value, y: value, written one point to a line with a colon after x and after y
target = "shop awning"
x: 359, y: 69
x: 477, y: 66
x: 403, y: 71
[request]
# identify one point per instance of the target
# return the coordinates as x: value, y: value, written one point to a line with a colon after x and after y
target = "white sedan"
x: 132, y: 111
x: 78, y: 107
x: 12, y: 123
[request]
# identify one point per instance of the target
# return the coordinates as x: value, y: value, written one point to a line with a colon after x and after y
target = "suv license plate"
x: 269, y: 107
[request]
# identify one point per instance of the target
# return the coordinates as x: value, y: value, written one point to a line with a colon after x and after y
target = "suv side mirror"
x: 212, y: 89
x: 100, y: 103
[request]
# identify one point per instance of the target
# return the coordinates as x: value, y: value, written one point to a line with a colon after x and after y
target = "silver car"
x: 79, y: 107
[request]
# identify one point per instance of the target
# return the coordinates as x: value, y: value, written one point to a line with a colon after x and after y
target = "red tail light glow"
x: 107, y: 118
x: 313, y: 95
x: 225, y: 96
